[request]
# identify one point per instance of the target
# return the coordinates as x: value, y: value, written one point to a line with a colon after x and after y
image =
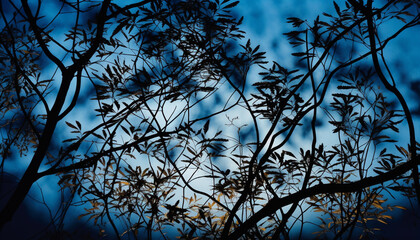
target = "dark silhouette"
x: 147, y: 111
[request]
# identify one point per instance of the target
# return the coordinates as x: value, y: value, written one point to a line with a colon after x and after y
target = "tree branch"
x: 276, y: 203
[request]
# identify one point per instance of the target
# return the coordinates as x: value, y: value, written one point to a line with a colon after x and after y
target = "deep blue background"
x: 264, y: 22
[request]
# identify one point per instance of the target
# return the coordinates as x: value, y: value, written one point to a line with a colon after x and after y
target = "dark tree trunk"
x: 31, y: 173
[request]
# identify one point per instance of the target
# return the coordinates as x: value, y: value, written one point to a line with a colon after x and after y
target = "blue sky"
x: 264, y: 22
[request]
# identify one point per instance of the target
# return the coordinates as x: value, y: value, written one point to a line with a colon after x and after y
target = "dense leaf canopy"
x: 161, y: 119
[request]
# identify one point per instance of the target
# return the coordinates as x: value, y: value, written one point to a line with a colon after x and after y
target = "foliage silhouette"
x: 174, y: 134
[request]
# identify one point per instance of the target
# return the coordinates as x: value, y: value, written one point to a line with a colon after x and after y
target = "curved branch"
x: 397, y: 94
x: 89, y: 161
x: 276, y: 203
x: 37, y: 32
x: 75, y: 96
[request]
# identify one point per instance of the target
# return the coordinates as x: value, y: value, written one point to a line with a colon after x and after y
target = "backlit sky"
x: 264, y: 22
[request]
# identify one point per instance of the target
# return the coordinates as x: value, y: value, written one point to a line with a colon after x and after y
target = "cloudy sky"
x: 264, y: 22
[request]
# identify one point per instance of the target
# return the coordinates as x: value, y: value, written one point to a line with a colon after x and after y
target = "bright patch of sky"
x: 265, y: 23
